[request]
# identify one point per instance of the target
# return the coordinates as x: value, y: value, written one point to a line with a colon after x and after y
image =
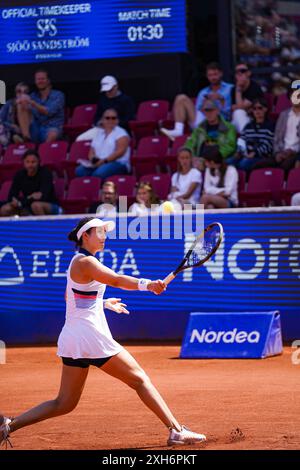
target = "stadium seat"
x: 83, y: 191
x: 125, y: 184
x: 264, y: 186
x: 81, y: 120
x: 169, y: 162
x: 59, y: 188
x: 148, y: 154
x: 269, y: 98
x: 283, y: 102
x: 53, y: 154
x: 78, y: 150
x: 149, y: 115
x: 242, y: 180
x: 12, y: 160
x: 4, y: 190
x: 160, y: 183
x: 292, y: 186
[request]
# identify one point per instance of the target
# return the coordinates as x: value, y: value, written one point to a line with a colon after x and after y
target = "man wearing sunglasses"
x: 243, y: 94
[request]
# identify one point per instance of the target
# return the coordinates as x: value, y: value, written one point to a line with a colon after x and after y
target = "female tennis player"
x: 86, y: 339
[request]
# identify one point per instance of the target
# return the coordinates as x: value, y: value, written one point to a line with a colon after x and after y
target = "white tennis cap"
x: 109, y: 224
x: 108, y: 82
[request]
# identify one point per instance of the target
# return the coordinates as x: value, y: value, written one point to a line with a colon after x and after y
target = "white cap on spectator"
x: 108, y: 82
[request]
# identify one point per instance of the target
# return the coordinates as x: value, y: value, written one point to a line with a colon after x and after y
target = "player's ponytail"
x: 72, y: 236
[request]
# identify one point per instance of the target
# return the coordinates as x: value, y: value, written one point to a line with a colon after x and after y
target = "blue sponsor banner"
x: 70, y: 30
x: 241, y: 335
x: 257, y: 268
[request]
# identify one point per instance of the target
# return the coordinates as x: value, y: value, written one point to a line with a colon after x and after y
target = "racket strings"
x: 203, y: 248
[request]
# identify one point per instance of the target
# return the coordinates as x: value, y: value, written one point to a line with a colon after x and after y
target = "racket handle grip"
x: 169, y: 278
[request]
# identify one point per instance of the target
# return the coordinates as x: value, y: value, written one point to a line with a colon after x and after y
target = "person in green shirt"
x: 214, y: 131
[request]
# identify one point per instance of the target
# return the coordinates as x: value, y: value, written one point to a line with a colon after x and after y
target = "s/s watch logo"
x: 46, y: 27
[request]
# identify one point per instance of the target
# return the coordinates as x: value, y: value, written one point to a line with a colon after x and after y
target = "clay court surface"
x: 215, y: 397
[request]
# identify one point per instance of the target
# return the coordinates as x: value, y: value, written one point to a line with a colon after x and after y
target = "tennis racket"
x: 202, y: 249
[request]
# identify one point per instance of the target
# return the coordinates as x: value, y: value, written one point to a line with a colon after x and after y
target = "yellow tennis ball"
x: 167, y: 207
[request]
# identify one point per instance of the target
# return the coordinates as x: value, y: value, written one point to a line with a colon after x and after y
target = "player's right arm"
x: 92, y: 269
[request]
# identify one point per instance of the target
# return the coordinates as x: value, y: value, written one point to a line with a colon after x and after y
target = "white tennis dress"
x: 86, y: 333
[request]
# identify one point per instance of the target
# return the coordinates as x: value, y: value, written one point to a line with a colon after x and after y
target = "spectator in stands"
x: 220, y: 183
x: 185, y: 111
x: 32, y: 190
x: 213, y: 131
x: 12, y: 127
x: 256, y: 141
x: 111, y: 97
x: 243, y: 94
x: 145, y: 200
x: 287, y: 138
x: 186, y: 182
x: 110, y: 153
x: 295, y: 201
x: 43, y: 110
x: 108, y: 206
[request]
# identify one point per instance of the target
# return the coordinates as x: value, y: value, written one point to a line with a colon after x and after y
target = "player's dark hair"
x: 72, y: 236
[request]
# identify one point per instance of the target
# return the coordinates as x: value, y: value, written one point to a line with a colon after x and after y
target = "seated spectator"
x: 110, y: 153
x: 220, y: 183
x: 256, y: 141
x: 213, y: 131
x: 109, y: 201
x: 145, y: 199
x: 295, y: 201
x: 287, y: 137
x: 43, y: 110
x: 243, y: 94
x: 14, y: 129
x: 32, y: 190
x: 111, y: 97
x: 185, y: 111
x: 186, y: 182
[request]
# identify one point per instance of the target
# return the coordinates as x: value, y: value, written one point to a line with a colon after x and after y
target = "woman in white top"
x: 186, y: 182
x: 220, y: 183
x: 147, y: 201
x: 86, y: 339
x: 110, y: 153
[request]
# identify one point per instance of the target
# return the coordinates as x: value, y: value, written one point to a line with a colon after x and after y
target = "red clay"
x: 238, y: 404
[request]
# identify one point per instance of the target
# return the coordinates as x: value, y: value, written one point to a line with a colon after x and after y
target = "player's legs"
x: 71, y: 387
x: 125, y: 368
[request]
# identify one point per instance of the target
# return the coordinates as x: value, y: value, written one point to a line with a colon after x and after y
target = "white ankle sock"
x: 179, y: 127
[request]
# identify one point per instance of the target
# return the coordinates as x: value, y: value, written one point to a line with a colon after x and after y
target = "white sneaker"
x: 185, y: 436
x: 171, y: 133
x: 4, y: 431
